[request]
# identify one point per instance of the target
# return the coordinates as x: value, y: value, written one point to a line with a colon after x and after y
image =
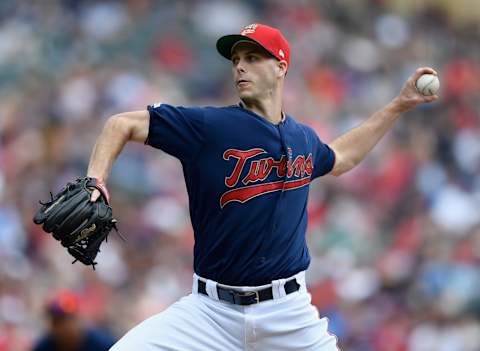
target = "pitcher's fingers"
x: 431, y: 98
x: 95, y: 195
x: 424, y: 70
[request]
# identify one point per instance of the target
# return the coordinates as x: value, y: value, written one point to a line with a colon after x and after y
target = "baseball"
x: 428, y: 84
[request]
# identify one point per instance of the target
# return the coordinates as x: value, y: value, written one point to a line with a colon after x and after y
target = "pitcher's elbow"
x: 342, y: 167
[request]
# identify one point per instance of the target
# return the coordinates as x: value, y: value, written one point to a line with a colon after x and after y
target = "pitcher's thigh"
x: 187, y: 325
x: 297, y: 326
x: 312, y: 337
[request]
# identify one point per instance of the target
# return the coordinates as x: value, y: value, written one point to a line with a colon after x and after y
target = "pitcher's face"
x: 255, y: 72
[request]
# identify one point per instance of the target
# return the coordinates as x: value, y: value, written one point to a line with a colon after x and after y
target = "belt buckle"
x: 251, y: 294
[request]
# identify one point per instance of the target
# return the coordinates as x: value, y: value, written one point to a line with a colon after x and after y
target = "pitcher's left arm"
x: 352, y: 147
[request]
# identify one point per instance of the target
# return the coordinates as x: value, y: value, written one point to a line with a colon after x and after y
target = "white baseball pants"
x: 204, y: 323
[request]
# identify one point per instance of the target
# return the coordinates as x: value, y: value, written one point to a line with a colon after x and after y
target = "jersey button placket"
x: 287, y: 153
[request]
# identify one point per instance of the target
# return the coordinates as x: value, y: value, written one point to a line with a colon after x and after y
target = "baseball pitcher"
x: 247, y: 168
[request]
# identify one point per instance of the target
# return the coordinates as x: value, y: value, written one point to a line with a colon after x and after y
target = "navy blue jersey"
x: 93, y: 340
x: 247, y: 181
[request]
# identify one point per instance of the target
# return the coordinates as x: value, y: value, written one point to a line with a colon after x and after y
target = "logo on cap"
x: 249, y: 29
x: 281, y: 53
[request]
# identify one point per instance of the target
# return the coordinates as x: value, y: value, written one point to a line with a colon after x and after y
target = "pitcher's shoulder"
x: 227, y: 108
x: 223, y: 113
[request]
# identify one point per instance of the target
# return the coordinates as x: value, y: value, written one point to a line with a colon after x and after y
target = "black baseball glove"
x: 78, y: 223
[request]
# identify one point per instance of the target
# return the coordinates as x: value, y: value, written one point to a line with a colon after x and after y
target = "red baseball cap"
x: 269, y: 38
x: 63, y: 303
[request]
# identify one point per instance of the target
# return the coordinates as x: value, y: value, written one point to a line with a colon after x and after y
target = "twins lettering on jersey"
x: 258, y: 170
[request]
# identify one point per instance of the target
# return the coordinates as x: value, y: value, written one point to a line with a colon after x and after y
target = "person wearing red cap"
x: 66, y: 329
x: 247, y: 169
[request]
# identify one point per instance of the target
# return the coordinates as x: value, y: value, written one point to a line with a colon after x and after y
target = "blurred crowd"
x: 395, y: 243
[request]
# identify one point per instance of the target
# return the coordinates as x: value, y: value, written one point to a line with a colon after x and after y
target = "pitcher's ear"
x: 283, y: 66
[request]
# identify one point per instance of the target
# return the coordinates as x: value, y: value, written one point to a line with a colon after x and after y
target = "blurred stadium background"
x: 395, y: 243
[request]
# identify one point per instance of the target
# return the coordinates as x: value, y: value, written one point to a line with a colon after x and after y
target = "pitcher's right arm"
x: 117, y: 131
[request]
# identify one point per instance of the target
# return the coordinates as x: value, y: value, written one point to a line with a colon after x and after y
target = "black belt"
x: 247, y: 297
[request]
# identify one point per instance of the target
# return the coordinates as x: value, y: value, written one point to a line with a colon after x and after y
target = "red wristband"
x: 103, y: 189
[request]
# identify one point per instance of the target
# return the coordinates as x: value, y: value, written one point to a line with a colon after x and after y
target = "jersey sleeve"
x: 323, y: 156
x: 179, y: 131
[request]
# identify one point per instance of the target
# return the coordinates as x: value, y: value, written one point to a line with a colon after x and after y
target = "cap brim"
x: 227, y: 42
